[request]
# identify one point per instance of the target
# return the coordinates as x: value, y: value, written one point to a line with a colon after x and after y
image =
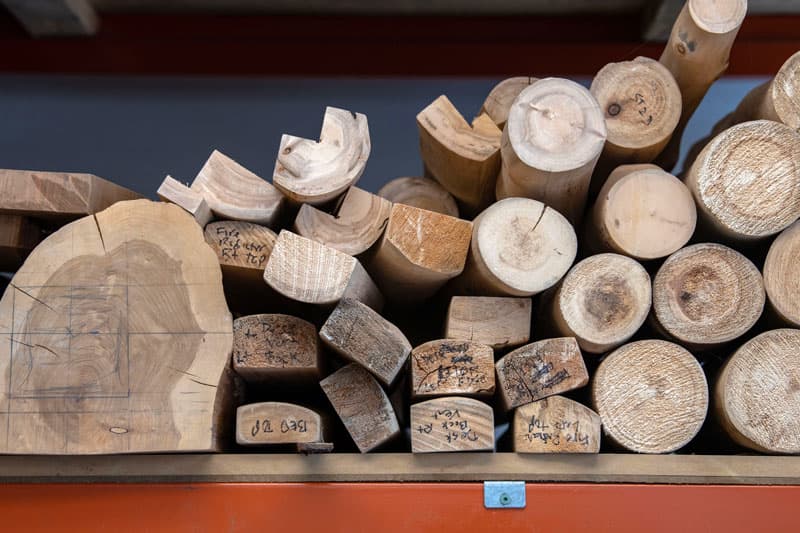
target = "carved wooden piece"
x: 451, y: 424
x: 259, y: 424
x: 499, y: 322
x: 18, y: 236
x: 172, y: 190
x: 556, y: 425
x: 450, y: 367
x: 498, y: 101
x: 423, y: 193
x: 242, y: 248
x: 782, y: 275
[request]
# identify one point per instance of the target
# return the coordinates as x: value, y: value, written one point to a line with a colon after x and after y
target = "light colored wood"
x: 550, y: 145
x: 602, y: 302
x: 424, y: 193
x: 642, y: 212
x: 463, y: 158
x: 172, y: 190
x: 315, y: 172
x: 361, y: 335
x: 746, y: 181
x: 117, y: 338
x: 556, y: 425
x: 707, y: 294
x: 276, y: 349
x: 755, y: 398
x: 450, y: 367
x: 651, y: 396
x: 519, y: 247
x: 451, y: 424
x: 18, y: 236
x: 782, y: 275
x: 498, y: 101
x: 242, y: 248
x: 499, y: 322
x: 55, y: 18
x: 233, y: 192
x: 419, y: 251
x: 362, y: 405
x: 259, y: 424
x: 538, y: 370
x: 310, y: 272
x: 358, y: 223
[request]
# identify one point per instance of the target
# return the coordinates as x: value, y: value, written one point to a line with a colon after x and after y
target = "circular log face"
x: 502, y: 95
x: 782, y: 274
x: 785, y: 91
x: 718, y: 16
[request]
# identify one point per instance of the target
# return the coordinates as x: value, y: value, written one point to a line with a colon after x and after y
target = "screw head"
x: 505, y: 499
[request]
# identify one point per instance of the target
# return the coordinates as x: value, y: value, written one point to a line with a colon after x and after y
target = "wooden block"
x: 358, y: 223
x: 315, y: 172
x: 424, y: 193
x: 362, y: 406
x: 310, y: 272
x: 361, y: 335
x: 452, y: 424
x: 552, y: 140
x: 276, y: 349
x: 519, y: 247
x: 172, y: 190
x: 313, y: 448
x: 449, y: 367
x: 651, y: 396
x: 119, y: 339
x: 707, y: 294
x: 556, y: 425
x: 497, y: 321
x: 756, y: 399
x: 782, y: 275
x: 243, y: 248
x: 540, y: 369
x: 419, y: 252
x: 602, y: 302
x: 259, y: 424
x: 499, y: 100
x: 463, y: 158
x: 233, y: 192
x: 18, y: 236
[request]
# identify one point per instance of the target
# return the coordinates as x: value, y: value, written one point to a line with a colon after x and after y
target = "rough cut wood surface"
x: 602, y: 302
x: 18, y: 236
x: 233, y: 192
x: 707, y: 294
x: 540, y: 369
x: 556, y: 425
x: 259, y: 424
x: 315, y: 172
x: 498, y: 101
x: 756, y: 398
x: 446, y: 367
x: 424, y: 193
x: 362, y: 405
x: 500, y: 322
x: 782, y: 275
x: 451, y: 424
x: 116, y: 338
x: 242, y: 248
x: 651, y: 395
x: 172, y: 190
x: 361, y: 335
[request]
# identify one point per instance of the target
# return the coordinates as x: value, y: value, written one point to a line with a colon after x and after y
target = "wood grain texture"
x: 498, y: 101
x: 463, y: 158
x: 424, y: 193
x: 18, y: 236
x: 651, y: 395
x: 556, y: 425
x: 782, y: 275
x: 755, y: 398
x: 499, y: 322
x: 361, y: 335
x: 315, y: 172
x: 451, y: 424
x: 707, y: 294
x: 243, y: 248
x: 172, y: 190
x: 362, y: 405
x: 117, y: 338
x: 447, y: 367
x: 538, y: 370
x: 259, y: 424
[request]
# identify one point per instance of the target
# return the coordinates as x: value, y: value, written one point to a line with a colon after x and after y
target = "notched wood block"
x: 171, y: 190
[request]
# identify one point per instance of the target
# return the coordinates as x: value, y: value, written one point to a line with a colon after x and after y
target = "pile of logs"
x: 549, y: 286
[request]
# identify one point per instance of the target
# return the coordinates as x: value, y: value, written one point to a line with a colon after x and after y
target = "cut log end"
x: 496, y: 321
x: 243, y: 248
x: 271, y: 423
x: 451, y: 424
x: 556, y: 425
x: 499, y: 100
x: 451, y: 367
x: 784, y: 92
x: 718, y: 16
x: 423, y: 193
x: 782, y: 275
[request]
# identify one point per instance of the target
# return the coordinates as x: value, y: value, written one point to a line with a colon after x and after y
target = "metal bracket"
x: 504, y: 494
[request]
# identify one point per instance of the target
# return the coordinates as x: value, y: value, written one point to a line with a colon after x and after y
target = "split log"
x: 310, y: 272
x: 556, y: 425
x: 452, y: 424
x: 233, y: 192
x: 362, y: 336
x: 496, y: 321
x: 519, y: 247
x: 782, y: 275
x: 242, y: 248
x: 552, y: 140
x: 707, y: 294
x: 538, y: 370
x: 651, y: 396
x: 362, y: 405
x: 172, y: 190
x: 315, y: 172
x: 602, y: 302
x: 119, y: 338
x: 449, y: 367
x: 464, y: 159
x: 419, y: 251
x: 259, y: 424
x: 18, y: 236
x: 756, y: 398
x: 423, y: 193
x: 358, y: 223
x: 502, y: 95
x: 642, y: 212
